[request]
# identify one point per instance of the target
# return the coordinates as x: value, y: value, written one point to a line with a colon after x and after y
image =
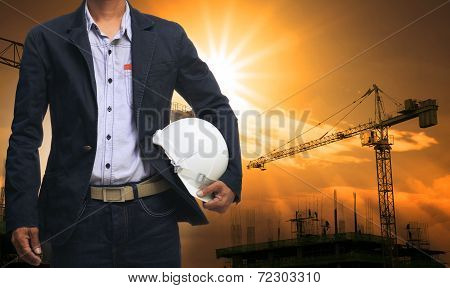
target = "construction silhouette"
x: 373, y: 134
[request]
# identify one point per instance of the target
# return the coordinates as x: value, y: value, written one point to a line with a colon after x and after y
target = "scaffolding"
x: 305, y: 223
x: 341, y: 250
x: 417, y: 235
x: 180, y: 111
x: 312, y: 246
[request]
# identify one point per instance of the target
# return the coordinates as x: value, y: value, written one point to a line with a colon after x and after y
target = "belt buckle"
x: 113, y: 195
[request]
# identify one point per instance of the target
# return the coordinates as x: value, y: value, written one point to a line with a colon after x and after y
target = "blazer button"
x: 87, y: 148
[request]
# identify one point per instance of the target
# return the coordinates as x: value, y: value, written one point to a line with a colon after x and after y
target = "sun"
x: 229, y: 74
x: 228, y: 50
x: 242, y: 53
x: 225, y: 71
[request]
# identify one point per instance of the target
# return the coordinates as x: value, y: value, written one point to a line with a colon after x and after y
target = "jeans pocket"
x: 160, y: 205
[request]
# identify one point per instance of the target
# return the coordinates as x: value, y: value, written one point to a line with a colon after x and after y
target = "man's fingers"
x: 17, y: 247
x: 223, y: 197
x: 35, y: 243
x: 212, y: 204
x: 26, y: 253
x: 215, y: 187
x: 217, y: 205
x: 21, y: 242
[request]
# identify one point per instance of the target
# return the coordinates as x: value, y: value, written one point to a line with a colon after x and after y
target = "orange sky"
x: 262, y: 52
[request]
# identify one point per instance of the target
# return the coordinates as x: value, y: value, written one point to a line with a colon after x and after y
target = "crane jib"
x: 426, y: 111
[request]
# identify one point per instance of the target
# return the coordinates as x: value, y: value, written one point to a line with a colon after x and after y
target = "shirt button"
x: 109, y: 109
x: 109, y: 80
x: 109, y: 52
x: 108, y: 165
x: 108, y: 137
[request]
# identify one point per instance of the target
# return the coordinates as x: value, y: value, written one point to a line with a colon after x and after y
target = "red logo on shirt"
x: 127, y: 67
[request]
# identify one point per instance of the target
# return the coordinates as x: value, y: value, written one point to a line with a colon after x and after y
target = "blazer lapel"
x: 78, y: 36
x: 80, y: 40
x: 142, y: 50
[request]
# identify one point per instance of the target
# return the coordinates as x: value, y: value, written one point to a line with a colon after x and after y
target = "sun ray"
x: 241, y: 75
x: 246, y: 91
x: 253, y: 30
x: 278, y: 46
x: 226, y: 30
x: 210, y: 35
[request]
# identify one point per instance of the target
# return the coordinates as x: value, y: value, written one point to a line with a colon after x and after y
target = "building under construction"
x: 342, y: 249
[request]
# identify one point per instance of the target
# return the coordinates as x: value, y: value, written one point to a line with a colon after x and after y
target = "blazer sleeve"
x: 197, y: 85
x: 23, y: 175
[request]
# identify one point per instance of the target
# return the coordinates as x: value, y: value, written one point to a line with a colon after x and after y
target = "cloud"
x: 438, y: 189
x: 430, y: 204
x: 263, y: 134
x: 411, y: 141
x: 439, y: 215
x: 321, y: 159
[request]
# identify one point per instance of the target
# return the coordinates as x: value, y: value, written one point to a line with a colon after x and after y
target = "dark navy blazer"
x: 57, y: 71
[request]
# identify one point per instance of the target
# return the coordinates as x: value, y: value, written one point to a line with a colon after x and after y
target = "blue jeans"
x: 141, y: 233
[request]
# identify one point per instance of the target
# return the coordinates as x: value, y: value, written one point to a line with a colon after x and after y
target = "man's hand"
x: 223, y: 197
x: 26, y: 242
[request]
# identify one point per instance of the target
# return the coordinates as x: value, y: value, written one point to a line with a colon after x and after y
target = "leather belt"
x: 125, y: 193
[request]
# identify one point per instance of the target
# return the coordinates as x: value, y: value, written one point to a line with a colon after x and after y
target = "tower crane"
x: 11, y: 55
x: 373, y: 134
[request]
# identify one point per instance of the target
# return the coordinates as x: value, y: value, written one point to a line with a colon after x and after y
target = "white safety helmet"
x: 197, y: 150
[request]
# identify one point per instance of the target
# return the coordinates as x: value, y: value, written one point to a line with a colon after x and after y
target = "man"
x: 109, y: 198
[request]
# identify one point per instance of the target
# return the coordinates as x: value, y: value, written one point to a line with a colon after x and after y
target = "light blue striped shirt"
x: 117, y: 160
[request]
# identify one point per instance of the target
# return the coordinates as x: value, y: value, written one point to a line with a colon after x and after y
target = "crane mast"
x: 380, y: 140
x: 373, y: 134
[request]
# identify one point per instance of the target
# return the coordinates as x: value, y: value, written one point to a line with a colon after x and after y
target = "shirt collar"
x: 125, y: 26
